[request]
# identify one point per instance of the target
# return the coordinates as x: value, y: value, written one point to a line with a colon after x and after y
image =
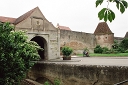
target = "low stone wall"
x: 79, y: 74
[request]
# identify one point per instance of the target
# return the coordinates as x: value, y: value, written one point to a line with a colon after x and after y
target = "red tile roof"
x: 24, y: 16
x: 64, y: 28
x: 7, y: 19
x: 103, y: 28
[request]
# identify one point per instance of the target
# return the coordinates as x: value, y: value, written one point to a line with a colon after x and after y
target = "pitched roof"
x: 63, y: 27
x: 24, y: 16
x: 7, y: 19
x: 102, y: 28
x: 126, y: 35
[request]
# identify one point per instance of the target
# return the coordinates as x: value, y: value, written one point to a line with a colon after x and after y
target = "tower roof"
x: 102, y: 28
x: 126, y: 35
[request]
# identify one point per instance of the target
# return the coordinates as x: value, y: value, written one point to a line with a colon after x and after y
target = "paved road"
x: 105, y: 61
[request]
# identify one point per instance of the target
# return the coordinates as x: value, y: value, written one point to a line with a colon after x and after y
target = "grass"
x: 106, y: 55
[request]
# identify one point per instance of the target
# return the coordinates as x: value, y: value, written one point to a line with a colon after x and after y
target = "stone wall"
x: 51, y: 44
x: 77, y: 40
x: 79, y: 74
x: 118, y: 39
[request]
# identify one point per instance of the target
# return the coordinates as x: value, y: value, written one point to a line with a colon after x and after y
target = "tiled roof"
x: 126, y: 35
x: 24, y: 16
x: 102, y: 28
x: 7, y: 19
x: 64, y: 28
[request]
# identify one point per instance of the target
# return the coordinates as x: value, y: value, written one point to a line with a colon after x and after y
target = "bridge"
x: 82, y: 71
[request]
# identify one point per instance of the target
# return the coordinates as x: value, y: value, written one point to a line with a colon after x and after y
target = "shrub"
x: 56, y: 82
x: 113, y: 51
x: 124, y: 43
x: 98, y: 49
x: 66, y: 51
x: 126, y: 51
x: 121, y: 49
x: 105, y: 50
x: 115, y: 45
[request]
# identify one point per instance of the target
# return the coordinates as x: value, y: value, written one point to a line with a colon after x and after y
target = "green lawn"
x: 106, y: 55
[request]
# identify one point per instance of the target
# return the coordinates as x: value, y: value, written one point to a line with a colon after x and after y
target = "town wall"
x: 118, y: 39
x: 77, y: 40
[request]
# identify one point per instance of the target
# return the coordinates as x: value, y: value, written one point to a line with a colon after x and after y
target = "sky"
x: 78, y: 15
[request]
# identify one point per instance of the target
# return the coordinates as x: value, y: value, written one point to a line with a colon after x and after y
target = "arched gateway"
x: 40, y: 30
x: 43, y: 44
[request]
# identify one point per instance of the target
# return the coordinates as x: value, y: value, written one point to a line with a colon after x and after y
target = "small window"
x: 37, y: 22
x: 69, y: 36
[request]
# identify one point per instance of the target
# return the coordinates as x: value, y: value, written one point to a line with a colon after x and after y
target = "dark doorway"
x: 42, y: 43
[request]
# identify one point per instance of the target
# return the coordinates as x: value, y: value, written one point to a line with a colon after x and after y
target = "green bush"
x: 124, y: 43
x: 113, y: 51
x: 105, y: 50
x: 126, y: 51
x: 46, y: 83
x: 98, y: 49
x: 121, y: 50
x: 56, y: 82
x: 115, y: 45
x: 66, y: 51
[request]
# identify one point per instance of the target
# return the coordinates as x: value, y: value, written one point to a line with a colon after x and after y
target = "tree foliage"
x: 16, y: 55
x: 98, y: 49
x: 107, y: 13
x: 124, y: 43
x: 67, y: 51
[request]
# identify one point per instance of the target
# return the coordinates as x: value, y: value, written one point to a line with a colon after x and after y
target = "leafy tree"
x: 124, y: 43
x: 120, y: 47
x: 107, y: 13
x: 16, y: 55
x: 115, y: 45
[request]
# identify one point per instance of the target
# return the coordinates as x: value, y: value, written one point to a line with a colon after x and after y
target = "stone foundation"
x: 79, y: 74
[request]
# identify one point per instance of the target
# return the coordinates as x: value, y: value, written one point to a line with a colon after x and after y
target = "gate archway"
x: 43, y: 44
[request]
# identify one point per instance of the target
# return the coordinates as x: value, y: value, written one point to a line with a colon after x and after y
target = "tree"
x: 107, y: 13
x: 124, y: 43
x: 16, y: 55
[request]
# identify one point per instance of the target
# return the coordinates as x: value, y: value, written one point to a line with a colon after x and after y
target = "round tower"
x: 104, y: 36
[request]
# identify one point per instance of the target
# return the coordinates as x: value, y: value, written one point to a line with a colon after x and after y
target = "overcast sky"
x: 79, y: 15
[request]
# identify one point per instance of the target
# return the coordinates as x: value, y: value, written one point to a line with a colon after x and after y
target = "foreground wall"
x: 79, y: 74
